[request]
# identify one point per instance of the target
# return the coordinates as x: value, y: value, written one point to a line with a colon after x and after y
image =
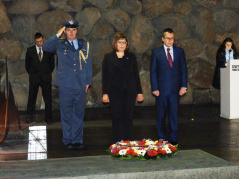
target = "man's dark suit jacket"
x: 113, y: 75
x: 39, y: 70
x: 163, y: 77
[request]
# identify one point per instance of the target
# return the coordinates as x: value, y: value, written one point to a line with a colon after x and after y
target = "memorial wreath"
x: 142, y: 150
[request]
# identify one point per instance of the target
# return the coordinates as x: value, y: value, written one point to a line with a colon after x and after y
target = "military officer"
x: 73, y: 78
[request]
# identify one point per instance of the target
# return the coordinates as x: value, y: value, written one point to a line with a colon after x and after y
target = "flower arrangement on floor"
x: 142, y: 150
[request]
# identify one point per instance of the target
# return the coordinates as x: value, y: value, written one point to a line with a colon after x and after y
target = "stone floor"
x: 208, y: 132
x: 187, y: 164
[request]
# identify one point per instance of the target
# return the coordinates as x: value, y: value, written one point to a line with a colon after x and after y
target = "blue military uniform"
x: 74, y: 72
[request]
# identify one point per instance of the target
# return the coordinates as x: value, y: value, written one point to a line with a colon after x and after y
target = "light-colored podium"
x: 230, y: 90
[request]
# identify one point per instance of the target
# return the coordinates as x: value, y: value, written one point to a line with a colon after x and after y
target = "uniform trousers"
x: 167, y: 103
x: 122, y: 111
x: 47, y: 96
x: 72, y: 109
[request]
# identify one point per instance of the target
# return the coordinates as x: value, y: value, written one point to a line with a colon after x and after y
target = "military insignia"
x: 71, y: 22
x: 81, y: 55
x: 65, y: 43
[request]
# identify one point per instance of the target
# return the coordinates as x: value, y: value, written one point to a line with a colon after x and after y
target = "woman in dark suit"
x: 227, y: 51
x: 121, y: 85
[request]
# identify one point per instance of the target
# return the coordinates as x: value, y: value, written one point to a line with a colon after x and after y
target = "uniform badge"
x: 71, y: 22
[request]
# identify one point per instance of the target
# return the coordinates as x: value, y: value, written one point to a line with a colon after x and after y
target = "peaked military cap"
x: 71, y: 24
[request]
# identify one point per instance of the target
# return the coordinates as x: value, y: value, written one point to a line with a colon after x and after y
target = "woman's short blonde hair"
x: 118, y: 37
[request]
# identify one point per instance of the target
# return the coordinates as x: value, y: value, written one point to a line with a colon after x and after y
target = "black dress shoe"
x: 176, y: 144
x: 48, y: 121
x: 69, y: 146
x: 173, y: 143
x: 78, y: 146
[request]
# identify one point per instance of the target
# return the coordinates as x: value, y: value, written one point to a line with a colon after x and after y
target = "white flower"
x: 141, y: 152
x: 150, y: 143
x: 151, y: 146
x: 168, y: 151
x: 122, y: 152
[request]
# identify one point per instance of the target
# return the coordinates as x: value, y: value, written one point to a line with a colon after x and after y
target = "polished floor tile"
x: 207, y: 131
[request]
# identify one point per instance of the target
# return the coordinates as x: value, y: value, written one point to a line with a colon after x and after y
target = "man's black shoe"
x: 69, y: 146
x: 48, y: 121
x: 173, y: 143
x: 78, y: 146
x: 176, y: 144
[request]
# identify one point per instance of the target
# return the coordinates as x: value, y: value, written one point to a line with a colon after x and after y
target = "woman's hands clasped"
x: 105, y: 98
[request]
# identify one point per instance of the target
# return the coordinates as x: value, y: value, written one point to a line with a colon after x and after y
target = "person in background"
x: 73, y: 78
x: 121, y: 86
x: 168, y: 74
x: 39, y: 65
x: 227, y: 51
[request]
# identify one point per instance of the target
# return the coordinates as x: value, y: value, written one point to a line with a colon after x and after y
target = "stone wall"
x: 200, y: 27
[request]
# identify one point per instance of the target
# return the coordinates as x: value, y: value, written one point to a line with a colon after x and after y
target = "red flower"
x: 123, y: 147
x: 127, y: 141
x: 115, y: 151
x: 141, y: 143
x: 172, y: 148
x: 160, y: 151
x: 142, y: 148
x: 152, y: 153
x: 131, y: 151
x: 110, y: 147
x: 159, y: 143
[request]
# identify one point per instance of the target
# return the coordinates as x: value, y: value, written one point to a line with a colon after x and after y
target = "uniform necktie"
x: 73, y: 45
x: 40, y: 54
x: 170, y: 60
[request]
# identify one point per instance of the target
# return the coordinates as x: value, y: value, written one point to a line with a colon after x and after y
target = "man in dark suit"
x: 73, y: 77
x: 39, y: 66
x: 168, y: 76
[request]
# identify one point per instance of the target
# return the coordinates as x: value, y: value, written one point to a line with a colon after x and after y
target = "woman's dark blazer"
x: 220, y: 63
x: 117, y: 79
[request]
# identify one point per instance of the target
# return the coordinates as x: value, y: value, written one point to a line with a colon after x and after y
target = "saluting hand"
x: 105, y: 98
x: 60, y: 32
x: 140, y: 97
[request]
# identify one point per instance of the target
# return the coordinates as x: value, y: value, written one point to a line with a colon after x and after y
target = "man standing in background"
x: 39, y: 66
